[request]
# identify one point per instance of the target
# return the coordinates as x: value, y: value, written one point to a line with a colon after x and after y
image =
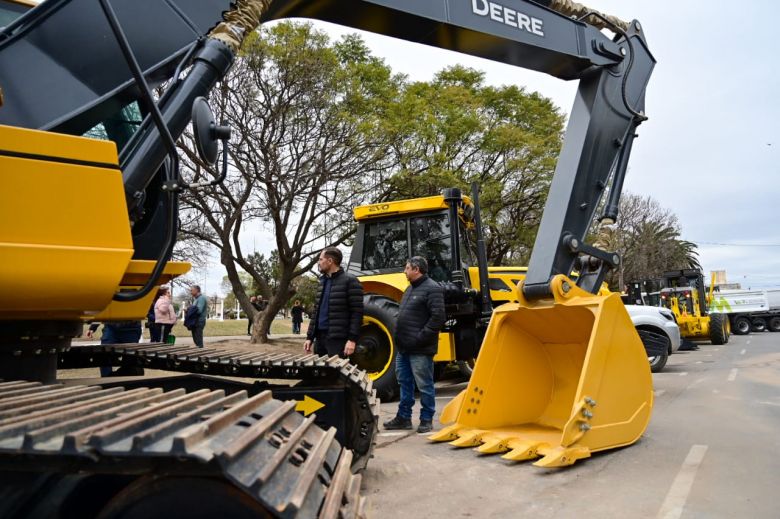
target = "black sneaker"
x: 425, y: 426
x: 398, y: 423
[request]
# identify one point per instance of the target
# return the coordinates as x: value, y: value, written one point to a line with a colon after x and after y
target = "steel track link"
x: 260, y: 445
x: 361, y: 402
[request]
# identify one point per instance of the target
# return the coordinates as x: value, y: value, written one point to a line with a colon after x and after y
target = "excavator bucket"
x: 555, y: 379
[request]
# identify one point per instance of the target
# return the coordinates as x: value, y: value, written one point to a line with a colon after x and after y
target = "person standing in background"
x: 118, y: 332
x: 296, y: 312
x: 154, y: 329
x: 202, y: 307
x: 164, y: 314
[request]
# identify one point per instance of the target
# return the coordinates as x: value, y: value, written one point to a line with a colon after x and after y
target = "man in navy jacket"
x: 420, y: 319
x: 334, y: 328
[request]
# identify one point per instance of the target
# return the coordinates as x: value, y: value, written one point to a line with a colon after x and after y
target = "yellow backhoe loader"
x: 87, y: 227
x: 446, y: 230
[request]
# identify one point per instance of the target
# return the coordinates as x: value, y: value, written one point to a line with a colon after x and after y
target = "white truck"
x: 748, y: 310
x: 660, y: 324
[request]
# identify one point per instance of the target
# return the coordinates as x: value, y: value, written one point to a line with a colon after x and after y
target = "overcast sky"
x: 710, y: 149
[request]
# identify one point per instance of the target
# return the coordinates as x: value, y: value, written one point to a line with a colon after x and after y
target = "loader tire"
x: 742, y: 326
x: 727, y: 322
x: 758, y: 324
x: 658, y: 362
x: 774, y: 324
x: 718, y: 329
x: 375, y: 352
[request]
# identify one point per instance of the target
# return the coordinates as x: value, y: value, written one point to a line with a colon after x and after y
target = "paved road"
x: 712, y: 450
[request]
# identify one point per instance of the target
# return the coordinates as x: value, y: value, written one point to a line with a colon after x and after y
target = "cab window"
x: 385, y: 245
x: 431, y: 240
x: 119, y: 128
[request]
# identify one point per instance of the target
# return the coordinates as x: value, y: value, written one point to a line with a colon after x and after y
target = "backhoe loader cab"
x: 389, y: 233
x: 444, y: 230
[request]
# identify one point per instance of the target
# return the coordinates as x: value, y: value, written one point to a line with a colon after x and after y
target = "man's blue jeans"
x: 118, y: 334
x: 197, y: 335
x: 411, y: 369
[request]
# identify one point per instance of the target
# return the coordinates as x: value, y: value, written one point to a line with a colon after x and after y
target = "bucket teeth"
x: 561, y: 457
x: 493, y: 446
x: 448, y: 433
x: 523, y: 450
x: 514, y: 448
x: 468, y: 439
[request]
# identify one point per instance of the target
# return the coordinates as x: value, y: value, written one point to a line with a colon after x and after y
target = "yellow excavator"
x: 88, y: 215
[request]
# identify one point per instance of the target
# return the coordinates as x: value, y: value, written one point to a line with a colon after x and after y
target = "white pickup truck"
x: 658, y: 325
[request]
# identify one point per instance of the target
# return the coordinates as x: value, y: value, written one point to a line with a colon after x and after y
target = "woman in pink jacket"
x: 164, y: 313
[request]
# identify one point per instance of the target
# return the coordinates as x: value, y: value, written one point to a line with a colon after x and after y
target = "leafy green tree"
x: 456, y: 130
x: 306, y: 288
x: 269, y: 272
x: 230, y: 297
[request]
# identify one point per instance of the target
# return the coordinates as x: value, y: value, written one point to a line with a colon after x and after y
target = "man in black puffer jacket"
x: 338, y: 309
x: 420, y: 318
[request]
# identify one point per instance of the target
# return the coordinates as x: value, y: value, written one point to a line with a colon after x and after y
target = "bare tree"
x: 647, y: 236
x: 306, y: 148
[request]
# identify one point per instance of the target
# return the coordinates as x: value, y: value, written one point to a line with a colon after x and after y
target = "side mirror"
x: 206, y: 130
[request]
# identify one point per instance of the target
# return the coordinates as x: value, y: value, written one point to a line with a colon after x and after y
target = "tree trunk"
x: 260, y: 327
x: 262, y: 323
x: 263, y: 320
x: 235, y: 282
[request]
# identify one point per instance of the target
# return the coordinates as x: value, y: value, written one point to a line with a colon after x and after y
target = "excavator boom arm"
x: 609, y: 104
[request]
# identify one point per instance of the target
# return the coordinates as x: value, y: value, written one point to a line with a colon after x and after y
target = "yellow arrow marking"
x: 308, y: 405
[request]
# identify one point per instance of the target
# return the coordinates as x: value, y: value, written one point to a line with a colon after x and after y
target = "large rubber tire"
x: 774, y: 324
x: 727, y: 322
x: 658, y: 363
x: 718, y: 329
x: 742, y: 325
x: 375, y: 351
x: 758, y: 324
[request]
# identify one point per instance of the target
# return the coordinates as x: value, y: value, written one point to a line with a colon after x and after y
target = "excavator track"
x: 352, y: 389
x: 146, y: 452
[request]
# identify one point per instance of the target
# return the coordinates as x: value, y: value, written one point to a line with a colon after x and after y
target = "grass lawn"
x: 216, y: 328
